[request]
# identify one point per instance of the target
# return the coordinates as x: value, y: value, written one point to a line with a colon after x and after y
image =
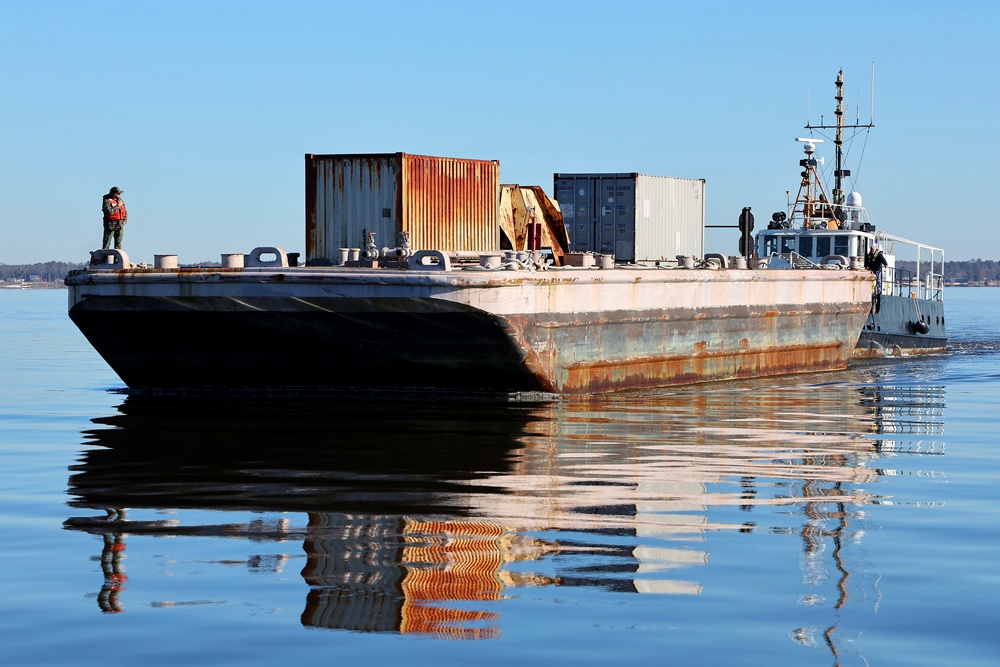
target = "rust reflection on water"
x: 427, y: 521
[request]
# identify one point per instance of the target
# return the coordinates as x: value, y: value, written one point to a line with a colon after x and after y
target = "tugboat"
x: 827, y: 229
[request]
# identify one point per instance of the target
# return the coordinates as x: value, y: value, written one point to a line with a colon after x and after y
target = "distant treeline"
x: 43, y: 272
x: 972, y: 271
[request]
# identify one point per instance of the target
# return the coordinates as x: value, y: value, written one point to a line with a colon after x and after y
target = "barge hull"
x: 255, y: 331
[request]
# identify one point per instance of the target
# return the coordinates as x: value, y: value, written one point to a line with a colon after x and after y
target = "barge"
x: 482, y: 291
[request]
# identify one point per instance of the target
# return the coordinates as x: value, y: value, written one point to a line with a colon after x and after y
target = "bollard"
x: 489, y: 261
x: 165, y: 261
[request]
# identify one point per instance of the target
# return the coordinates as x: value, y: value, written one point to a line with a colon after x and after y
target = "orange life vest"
x: 118, y: 213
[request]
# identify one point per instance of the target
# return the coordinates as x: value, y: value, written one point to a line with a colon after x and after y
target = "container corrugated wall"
x: 670, y: 217
x: 451, y: 204
x: 636, y: 217
x: 444, y: 203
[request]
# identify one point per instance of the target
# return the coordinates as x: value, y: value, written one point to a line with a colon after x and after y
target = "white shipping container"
x: 635, y: 217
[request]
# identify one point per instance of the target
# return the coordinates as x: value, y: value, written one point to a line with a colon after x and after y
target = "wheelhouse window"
x: 822, y: 246
x: 776, y: 244
x: 842, y: 245
x: 767, y: 246
x: 806, y: 246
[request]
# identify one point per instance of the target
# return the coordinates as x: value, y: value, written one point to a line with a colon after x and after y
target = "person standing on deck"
x: 875, y: 261
x: 115, y: 218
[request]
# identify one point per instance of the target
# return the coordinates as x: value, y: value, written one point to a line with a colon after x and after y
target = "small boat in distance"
x: 824, y: 228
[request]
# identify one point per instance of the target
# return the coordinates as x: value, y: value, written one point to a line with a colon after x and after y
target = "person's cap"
x: 117, y: 191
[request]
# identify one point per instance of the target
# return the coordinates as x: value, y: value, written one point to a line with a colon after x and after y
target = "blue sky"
x: 202, y: 111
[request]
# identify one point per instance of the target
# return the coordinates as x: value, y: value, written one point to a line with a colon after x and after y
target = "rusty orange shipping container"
x: 444, y: 203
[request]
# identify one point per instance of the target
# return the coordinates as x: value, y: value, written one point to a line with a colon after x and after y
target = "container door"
x: 616, y: 222
x: 575, y: 194
x: 346, y: 195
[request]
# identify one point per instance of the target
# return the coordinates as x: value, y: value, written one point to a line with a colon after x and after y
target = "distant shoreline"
x: 28, y: 286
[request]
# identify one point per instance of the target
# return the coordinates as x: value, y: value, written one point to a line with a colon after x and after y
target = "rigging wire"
x: 856, y: 172
x: 862, y: 158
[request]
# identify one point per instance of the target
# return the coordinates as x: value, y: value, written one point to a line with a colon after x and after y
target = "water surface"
x: 834, y: 519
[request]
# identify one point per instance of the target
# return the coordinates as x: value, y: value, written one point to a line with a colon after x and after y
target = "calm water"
x: 837, y: 519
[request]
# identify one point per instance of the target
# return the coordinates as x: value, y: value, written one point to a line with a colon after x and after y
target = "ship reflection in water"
x: 421, y: 516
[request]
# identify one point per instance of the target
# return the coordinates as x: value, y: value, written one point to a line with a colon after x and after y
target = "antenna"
x: 839, y: 172
x: 857, y: 109
x: 808, y: 105
x: 871, y: 116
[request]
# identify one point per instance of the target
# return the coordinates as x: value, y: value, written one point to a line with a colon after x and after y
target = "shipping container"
x: 635, y: 217
x: 444, y: 203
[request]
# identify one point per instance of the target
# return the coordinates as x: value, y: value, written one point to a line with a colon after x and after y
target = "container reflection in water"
x: 422, y: 517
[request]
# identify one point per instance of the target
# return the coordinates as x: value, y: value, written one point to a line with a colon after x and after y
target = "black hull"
x: 448, y: 347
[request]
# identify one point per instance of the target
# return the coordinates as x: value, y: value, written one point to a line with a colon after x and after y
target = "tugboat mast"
x: 839, y: 172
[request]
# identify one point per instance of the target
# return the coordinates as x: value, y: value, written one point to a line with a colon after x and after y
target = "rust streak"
x: 703, y: 367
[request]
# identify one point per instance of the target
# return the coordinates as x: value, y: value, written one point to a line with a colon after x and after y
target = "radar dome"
x: 854, y: 199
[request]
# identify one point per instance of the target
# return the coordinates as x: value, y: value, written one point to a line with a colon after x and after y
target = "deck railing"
x: 907, y: 283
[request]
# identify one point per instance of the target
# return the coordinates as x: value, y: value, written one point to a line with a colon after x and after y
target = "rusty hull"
x: 564, y: 331
x: 709, y: 344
